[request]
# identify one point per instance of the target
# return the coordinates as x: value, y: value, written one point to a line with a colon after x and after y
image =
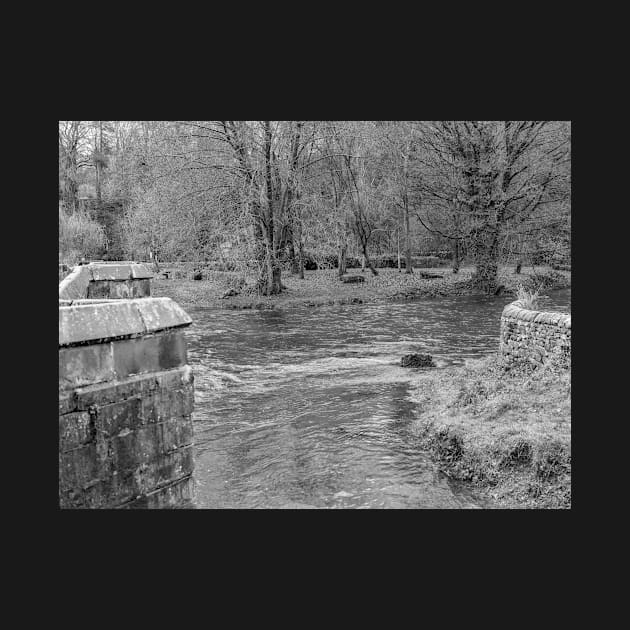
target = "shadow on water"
x: 309, y: 408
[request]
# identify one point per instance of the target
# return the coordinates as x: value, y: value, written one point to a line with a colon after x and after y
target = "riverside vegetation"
x: 505, y: 431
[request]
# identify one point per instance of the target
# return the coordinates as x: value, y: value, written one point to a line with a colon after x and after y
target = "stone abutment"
x: 125, y: 393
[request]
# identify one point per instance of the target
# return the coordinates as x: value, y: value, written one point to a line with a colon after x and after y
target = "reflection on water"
x: 309, y: 408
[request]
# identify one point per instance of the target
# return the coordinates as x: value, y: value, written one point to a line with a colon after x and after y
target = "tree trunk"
x: 301, y: 258
x: 273, y: 271
x: 98, y: 148
x: 409, y: 268
x: 342, y: 260
x: 456, y: 256
x: 486, y: 259
x: 367, y: 261
x: 272, y: 268
x: 293, y: 258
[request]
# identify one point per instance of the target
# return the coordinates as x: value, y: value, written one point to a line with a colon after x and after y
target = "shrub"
x: 448, y: 445
x: 79, y: 236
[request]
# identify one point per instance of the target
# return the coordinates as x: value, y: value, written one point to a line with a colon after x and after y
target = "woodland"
x: 268, y: 198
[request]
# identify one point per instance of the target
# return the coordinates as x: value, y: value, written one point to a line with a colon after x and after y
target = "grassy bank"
x: 506, y: 433
x: 322, y: 287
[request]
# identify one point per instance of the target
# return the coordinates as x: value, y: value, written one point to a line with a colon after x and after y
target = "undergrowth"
x: 506, y: 431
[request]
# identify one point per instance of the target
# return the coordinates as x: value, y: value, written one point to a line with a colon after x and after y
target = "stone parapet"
x: 82, y: 321
x: 529, y: 336
x: 106, y: 280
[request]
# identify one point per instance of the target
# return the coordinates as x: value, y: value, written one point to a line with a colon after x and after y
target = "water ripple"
x: 310, y: 408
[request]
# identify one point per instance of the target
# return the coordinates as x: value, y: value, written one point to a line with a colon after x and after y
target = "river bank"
x: 505, y: 433
x: 322, y: 287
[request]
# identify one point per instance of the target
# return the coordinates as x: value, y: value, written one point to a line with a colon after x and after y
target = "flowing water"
x: 309, y: 408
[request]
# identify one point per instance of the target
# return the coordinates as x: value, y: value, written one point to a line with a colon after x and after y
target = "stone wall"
x: 125, y: 404
x: 534, y: 336
x: 106, y: 280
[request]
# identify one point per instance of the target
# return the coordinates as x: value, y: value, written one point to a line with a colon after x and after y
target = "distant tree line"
x: 271, y: 195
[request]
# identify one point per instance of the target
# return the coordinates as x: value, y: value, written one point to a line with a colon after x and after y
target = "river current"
x: 309, y: 407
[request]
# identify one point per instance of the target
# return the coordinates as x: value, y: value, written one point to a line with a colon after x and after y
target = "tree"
x: 72, y: 145
x: 488, y: 180
x: 398, y: 138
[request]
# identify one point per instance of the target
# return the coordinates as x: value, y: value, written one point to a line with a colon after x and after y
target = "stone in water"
x: 417, y: 360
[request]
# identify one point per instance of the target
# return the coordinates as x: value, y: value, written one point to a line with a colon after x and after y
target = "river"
x: 309, y: 407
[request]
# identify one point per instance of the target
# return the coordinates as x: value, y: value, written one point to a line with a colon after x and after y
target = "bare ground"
x: 322, y: 287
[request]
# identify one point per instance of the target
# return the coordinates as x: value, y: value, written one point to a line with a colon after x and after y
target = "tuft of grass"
x: 529, y: 299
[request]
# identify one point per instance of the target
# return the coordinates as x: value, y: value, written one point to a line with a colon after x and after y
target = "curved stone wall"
x: 534, y: 336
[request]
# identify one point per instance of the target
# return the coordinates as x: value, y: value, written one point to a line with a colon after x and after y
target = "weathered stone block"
x: 119, y: 289
x: 163, y: 404
x: 149, y: 354
x: 145, y: 477
x: 92, y: 322
x: 78, y: 467
x: 113, y: 418
x: 67, y: 402
x: 176, y: 495
x: 110, y: 272
x: 130, y: 448
x: 75, y: 429
x: 161, y: 313
x: 101, y: 289
x: 140, y: 271
x: 74, y: 286
x: 137, y: 385
x: 176, y: 433
x: 82, y: 365
x: 175, y: 465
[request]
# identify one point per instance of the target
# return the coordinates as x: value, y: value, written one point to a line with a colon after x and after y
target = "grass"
x: 506, y: 432
x: 321, y: 287
x: 529, y: 299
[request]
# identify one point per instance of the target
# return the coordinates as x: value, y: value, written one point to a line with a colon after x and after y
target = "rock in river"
x: 417, y: 360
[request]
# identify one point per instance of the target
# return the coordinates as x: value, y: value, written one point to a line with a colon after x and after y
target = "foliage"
x: 80, y: 236
x: 258, y: 195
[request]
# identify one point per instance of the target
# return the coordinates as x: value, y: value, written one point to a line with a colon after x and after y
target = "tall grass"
x: 79, y: 236
x: 529, y: 299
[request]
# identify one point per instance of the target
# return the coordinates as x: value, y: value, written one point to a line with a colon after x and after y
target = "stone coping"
x: 517, y: 310
x: 83, y: 321
x: 75, y: 284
